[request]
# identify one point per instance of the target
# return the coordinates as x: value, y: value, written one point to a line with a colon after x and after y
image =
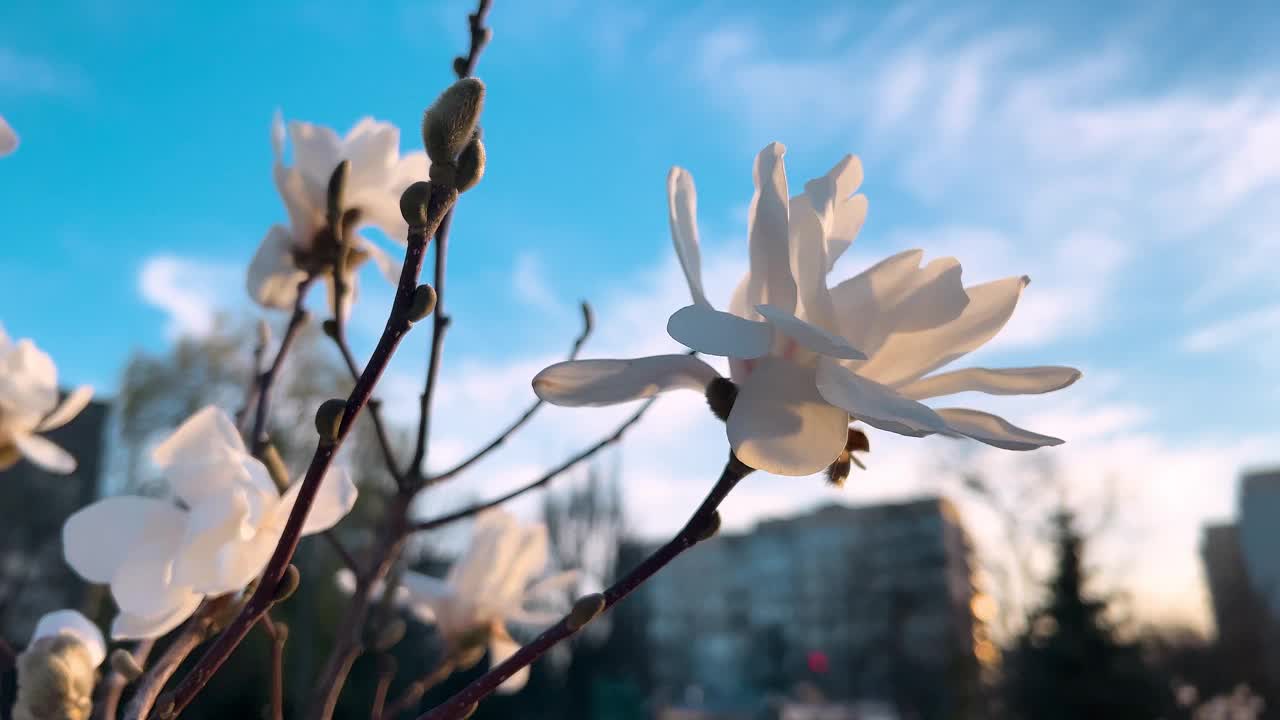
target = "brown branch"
x: 183, y: 643
x: 347, y: 558
x: 258, y: 437
x: 7, y: 655
x: 550, y: 475
x: 113, y: 687
x: 465, y: 68
x: 414, y: 692
x: 278, y: 633
x: 375, y: 414
x: 398, y: 324
x: 386, y: 674
x: 505, y: 435
x: 703, y: 519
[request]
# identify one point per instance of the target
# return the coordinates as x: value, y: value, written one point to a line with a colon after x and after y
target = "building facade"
x: 860, y: 603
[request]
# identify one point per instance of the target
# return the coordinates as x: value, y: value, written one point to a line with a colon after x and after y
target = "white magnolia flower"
x: 72, y: 624
x: 215, y: 535
x: 29, y: 405
x: 488, y: 587
x: 378, y: 175
x: 807, y: 358
x: 8, y: 138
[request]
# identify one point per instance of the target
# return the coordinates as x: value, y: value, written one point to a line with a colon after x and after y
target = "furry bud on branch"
x: 423, y: 303
x: 123, y: 662
x: 450, y: 123
x: 56, y: 676
x: 413, y: 203
x: 329, y: 419
x: 288, y: 584
x: 585, y: 610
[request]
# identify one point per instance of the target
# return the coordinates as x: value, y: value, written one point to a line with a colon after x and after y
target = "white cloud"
x: 529, y: 283
x: 1258, y: 325
x: 191, y: 292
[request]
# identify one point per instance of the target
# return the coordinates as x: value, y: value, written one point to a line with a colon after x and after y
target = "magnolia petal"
x: 994, y: 430
x: 304, y: 201
x: 43, y: 453
x: 8, y: 138
x: 907, y: 356
x: 216, y: 522
x: 277, y: 136
x: 209, y: 433
x: 73, y: 624
x: 236, y: 564
x: 577, y: 383
x: 938, y: 297
x: 273, y: 277
x: 128, y: 626
x: 380, y: 207
x: 713, y: 332
x: 846, y: 224
x: 372, y: 148
x: 316, y: 150
x: 97, y: 540
x: 28, y: 382
x: 143, y: 584
x: 770, y: 279
x: 521, y: 616
x: 553, y: 584
x: 810, y: 336
x: 75, y: 402
x: 809, y: 265
x: 781, y: 425
x: 841, y: 215
x: 875, y: 404
x: 682, y: 211
x: 993, y: 381
x: 389, y: 268
x: 335, y: 498
x: 501, y: 647
x: 866, y: 295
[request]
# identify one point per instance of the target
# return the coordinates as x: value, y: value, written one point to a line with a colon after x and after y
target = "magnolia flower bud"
x: 450, y: 122
x: 413, y: 203
x: 460, y: 67
x: 56, y: 675
x: 721, y: 394
x: 288, y: 584
x: 390, y: 635
x: 470, y: 166
x: 712, y: 527
x: 123, y: 662
x: 337, y: 191
x: 329, y: 419
x: 330, y: 327
x: 423, y: 302
x: 585, y: 610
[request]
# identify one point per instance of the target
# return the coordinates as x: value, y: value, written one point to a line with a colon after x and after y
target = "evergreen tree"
x: 1069, y: 664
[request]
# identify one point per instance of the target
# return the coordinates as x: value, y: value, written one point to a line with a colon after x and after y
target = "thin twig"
x: 550, y: 475
x: 278, y: 633
x: 265, y: 381
x: 398, y: 324
x: 375, y: 407
x: 109, y: 700
x: 416, y: 689
x: 506, y: 434
x: 183, y: 643
x: 347, y: 558
x: 460, y: 704
x: 465, y: 68
x: 386, y: 675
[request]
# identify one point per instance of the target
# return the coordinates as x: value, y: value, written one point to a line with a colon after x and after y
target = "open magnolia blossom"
x: 8, y: 138
x: 371, y: 197
x: 72, y: 624
x: 487, y: 588
x: 29, y: 405
x: 806, y: 359
x: 161, y: 557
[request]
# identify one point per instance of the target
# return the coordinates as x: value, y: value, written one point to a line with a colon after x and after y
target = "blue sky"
x: 1126, y: 159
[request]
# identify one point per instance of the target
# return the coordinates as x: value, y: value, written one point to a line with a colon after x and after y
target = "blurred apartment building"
x: 856, y: 604
x: 34, y: 578
x: 1242, y: 566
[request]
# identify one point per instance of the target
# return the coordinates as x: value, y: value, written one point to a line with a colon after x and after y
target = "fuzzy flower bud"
x: 585, y: 610
x: 450, y: 122
x: 329, y: 419
x: 423, y: 302
x: 470, y: 165
x: 413, y: 203
x: 56, y: 675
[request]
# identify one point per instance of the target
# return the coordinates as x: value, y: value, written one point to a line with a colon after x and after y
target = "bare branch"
x: 703, y: 519
x: 109, y: 700
x: 414, y: 692
x: 550, y: 475
x: 587, y: 325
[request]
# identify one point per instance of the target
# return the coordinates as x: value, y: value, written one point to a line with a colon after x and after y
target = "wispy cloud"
x: 191, y: 292
x: 1261, y: 323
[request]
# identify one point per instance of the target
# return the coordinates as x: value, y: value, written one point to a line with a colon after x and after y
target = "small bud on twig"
x: 390, y: 635
x: 585, y: 610
x: 721, y: 394
x: 329, y: 419
x: 275, y: 466
x: 423, y: 302
x: 288, y: 584
x: 413, y: 203
x: 460, y: 67
x: 450, y: 122
x: 712, y: 527
x: 123, y: 662
x: 330, y: 328
x: 470, y: 166
x: 56, y: 675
